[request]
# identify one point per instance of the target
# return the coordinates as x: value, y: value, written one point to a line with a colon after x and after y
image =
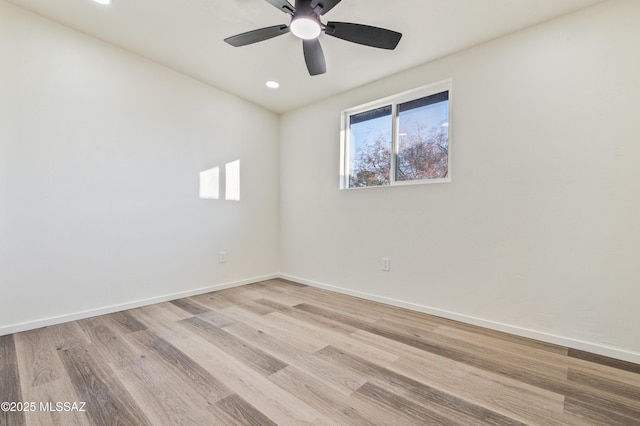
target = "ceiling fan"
x: 306, y: 25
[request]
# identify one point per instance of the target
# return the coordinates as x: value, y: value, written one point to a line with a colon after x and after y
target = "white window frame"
x: 394, y: 101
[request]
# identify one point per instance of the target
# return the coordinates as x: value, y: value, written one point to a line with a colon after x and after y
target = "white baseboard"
x: 16, y: 328
x: 568, y: 342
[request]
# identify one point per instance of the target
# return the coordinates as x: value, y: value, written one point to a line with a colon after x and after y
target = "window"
x: 398, y: 140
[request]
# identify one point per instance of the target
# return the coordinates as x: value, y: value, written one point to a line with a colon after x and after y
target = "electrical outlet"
x: 386, y: 264
x: 222, y: 257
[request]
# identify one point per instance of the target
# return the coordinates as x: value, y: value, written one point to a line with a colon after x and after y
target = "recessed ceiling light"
x: 103, y: 1
x: 272, y: 84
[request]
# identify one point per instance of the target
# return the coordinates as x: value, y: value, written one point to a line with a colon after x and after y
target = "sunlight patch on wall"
x: 232, y: 181
x: 210, y: 184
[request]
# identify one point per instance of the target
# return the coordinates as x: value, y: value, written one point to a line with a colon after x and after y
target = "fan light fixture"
x: 305, y: 27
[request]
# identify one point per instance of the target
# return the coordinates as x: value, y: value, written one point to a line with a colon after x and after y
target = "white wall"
x: 539, y: 232
x: 100, y: 154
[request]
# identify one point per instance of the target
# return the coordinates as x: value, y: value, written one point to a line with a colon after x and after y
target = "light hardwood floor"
x: 277, y: 352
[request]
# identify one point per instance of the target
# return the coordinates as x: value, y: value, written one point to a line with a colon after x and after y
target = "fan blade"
x: 326, y: 5
x: 283, y: 5
x: 257, y: 35
x: 314, y: 57
x: 364, y: 34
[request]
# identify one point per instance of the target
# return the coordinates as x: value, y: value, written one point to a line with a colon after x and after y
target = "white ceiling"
x: 187, y: 36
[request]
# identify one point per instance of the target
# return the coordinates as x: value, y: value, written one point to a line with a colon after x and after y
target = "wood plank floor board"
x: 283, y: 288
x: 311, y: 319
x: 216, y: 300
x: 413, y: 316
x: 334, y: 376
x: 126, y: 321
x: 240, y: 412
x: 272, y: 289
x: 266, y: 325
x: 424, y: 321
x: 627, y: 392
x: 605, y: 403
x: 531, y: 364
x: 415, y: 331
x: 597, y: 415
x: 429, y: 395
x: 496, y: 392
x: 243, y: 297
x: 552, y: 358
x: 447, y: 346
x: 595, y: 371
x: 256, y: 358
x: 206, y: 383
x: 10, y: 390
x: 603, y: 360
x: 277, y: 352
x: 418, y: 414
x: 164, y: 392
x: 387, y: 414
x: 217, y: 319
x: 433, y: 366
x: 33, y: 350
x: 322, y: 336
x: 274, y: 402
x: 192, y: 307
x: 501, y: 395
x: 257, y: 308
x: 67, y: 335
x: 290, y: 295
x: 45, y: 379
x: 107, y: 401
x: 522, y: 357
x: 601, y: 371
x: 107, y: 338
x: 358, y: 309
x: 536, y: 377
x: 373, y: 311
x: 318, y: 395
x: 162, y: 320
x: 60, y: 390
